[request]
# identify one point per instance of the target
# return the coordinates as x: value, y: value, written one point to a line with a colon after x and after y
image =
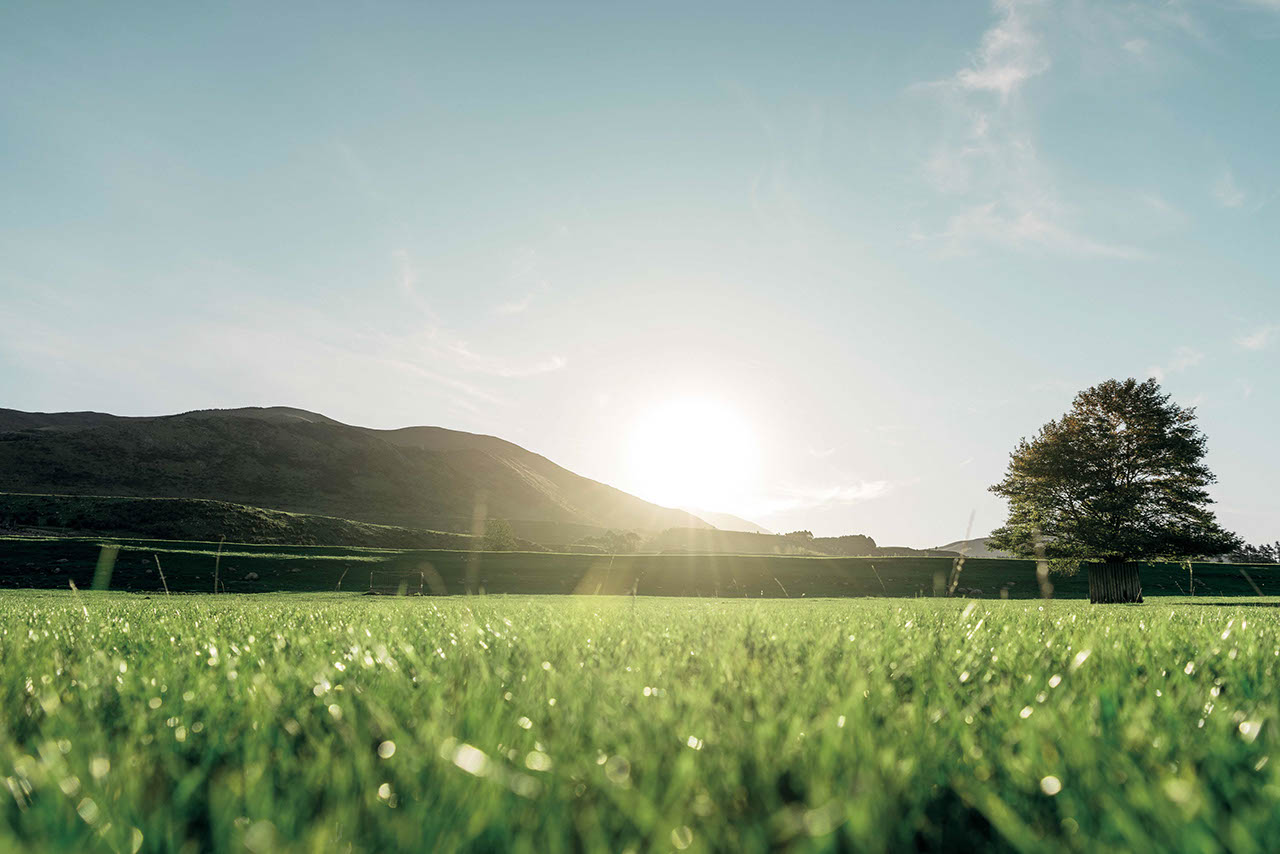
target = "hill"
x: 205, y: 520
x: 302, y: 462
x: 799, y: 543
x: 975, y: 548
x: 728, y: 522
x: 715, y: 541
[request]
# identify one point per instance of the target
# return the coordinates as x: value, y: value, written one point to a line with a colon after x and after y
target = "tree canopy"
x: 1120, y: 477
x: 499, y: 536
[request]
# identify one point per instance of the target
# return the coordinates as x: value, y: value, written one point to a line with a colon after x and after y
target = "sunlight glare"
x: 693, y: 453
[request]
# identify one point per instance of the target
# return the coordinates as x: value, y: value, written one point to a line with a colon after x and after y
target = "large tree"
x: 1118, y: 479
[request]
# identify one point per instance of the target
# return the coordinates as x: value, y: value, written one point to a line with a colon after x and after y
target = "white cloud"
x: 1258, y: 339
x: 989, y: 155
x: 1227, y: 191
x: 436, y: 345
x: 808, y: 498
x: 477, y: 363
x: 407, y: 284
x: 514, y: 306
x: 1010, y: 54
x: 1137, y: 47
x: 1158, y: 212
x: 525, y: 282
x: 1002, y: 224
x: 1183, y: 358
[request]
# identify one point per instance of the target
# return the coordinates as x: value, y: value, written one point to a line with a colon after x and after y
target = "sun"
x: 693, y: 453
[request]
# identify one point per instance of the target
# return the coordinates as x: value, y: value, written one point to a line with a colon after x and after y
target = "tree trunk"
x: 1114, y: 582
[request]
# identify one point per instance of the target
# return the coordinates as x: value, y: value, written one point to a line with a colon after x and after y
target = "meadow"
x: 339, y: 722
x: 135, y: 564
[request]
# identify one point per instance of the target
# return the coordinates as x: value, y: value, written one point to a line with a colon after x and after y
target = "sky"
x: 872, y: 244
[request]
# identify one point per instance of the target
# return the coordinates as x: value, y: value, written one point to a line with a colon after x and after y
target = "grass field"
x: 189, y: 566
x: 334, y: 722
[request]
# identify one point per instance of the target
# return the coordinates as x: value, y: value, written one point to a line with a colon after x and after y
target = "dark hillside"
x: 293, y: 460
x: 12, y: 419
x: 202, y: 519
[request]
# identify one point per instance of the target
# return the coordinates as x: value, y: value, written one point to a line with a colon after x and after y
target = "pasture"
x: 189, y: 566
x: 336, y: 722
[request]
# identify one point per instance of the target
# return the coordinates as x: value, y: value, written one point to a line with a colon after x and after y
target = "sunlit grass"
x: 337, y: 722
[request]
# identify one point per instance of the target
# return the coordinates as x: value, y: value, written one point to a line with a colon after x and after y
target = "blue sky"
x: 887, y: 239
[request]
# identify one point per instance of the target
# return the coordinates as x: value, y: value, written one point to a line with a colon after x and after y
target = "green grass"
x: 189, y: 566
x: 519, y: 723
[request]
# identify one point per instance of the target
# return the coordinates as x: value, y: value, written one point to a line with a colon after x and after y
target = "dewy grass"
x: 335, y: 722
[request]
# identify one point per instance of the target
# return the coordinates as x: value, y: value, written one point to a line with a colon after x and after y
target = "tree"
x: 613, y: 542
x: 1119, y: 478
x: 498, y: 536
x: 849, y: 544
x: 1265, y: 553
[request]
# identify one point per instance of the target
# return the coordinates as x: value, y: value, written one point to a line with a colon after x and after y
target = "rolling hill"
x: 200, y: 519
x: 729, y: 522
x: 293, y: 460
x: 976, y: 548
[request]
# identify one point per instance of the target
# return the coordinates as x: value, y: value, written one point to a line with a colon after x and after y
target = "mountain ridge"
x: 295, y: 460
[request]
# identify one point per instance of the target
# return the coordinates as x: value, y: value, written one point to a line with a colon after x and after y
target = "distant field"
x: 189, y: 566
x: 334, y: 722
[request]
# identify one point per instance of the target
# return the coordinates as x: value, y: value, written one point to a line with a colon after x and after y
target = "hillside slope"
x: 289, y: 459
x: 976, y: 548
x: 728, y: 522
x: 200, y: 519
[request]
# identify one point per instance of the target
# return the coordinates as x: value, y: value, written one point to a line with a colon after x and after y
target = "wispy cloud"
x: 1182, y: 359
x: 1137, y: 47
x: 515, y: 306
x: 1001, y: 224
x: 525, y: 281
x: 438, y: 345
x: 496, y: 367
x: 1258, y: 339
x: 989, y: 159
x: 1010, y: 53
x: 1227, y: 191
x: 1185, y: 357
x: 809, y: 498
x: 407, y: 284
x: 395, y: 347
